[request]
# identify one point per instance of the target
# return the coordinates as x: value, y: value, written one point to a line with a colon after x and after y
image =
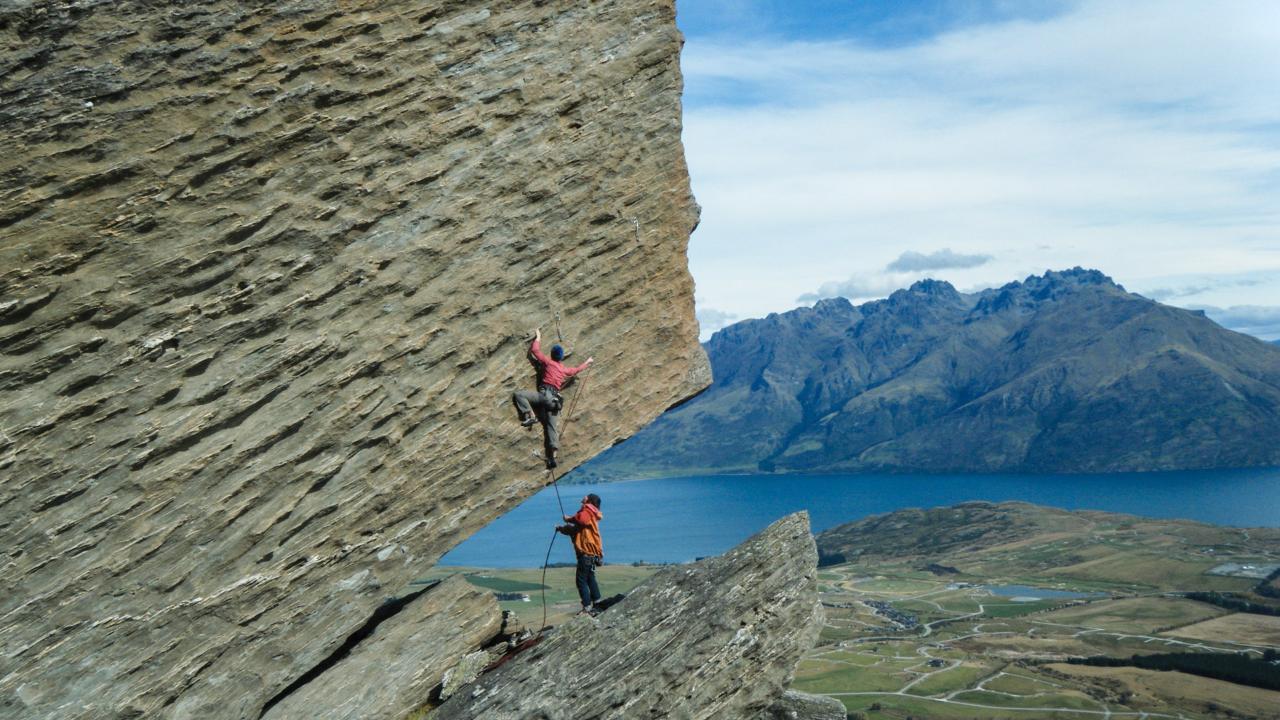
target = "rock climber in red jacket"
x: 544, y: 405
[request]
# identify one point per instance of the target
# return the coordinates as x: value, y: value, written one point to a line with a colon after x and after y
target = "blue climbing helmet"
x: 557, y: 353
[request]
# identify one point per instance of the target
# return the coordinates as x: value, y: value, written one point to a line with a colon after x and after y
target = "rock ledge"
x: 716, y: 639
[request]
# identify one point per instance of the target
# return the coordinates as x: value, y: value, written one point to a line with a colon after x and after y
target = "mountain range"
x: 1061, y: 373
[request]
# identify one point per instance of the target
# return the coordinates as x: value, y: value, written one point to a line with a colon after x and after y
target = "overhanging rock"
x: 265, y: 269
x: 716, y: 639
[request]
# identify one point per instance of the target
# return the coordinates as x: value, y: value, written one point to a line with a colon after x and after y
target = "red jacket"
x: 553, y: 373
x: 585, y: 529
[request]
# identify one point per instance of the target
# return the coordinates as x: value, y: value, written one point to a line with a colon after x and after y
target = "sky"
x: 851, y: 148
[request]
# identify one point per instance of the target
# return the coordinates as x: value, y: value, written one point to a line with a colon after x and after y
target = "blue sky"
x: 854, y: 147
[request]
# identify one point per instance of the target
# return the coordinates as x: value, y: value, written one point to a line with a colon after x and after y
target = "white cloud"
x: 858, y: 287
x: 943, y: 259
x: 1139, y: 138
x: 1201, y: 287
x: 906, y: 269
x: 711, y: 320
x: 1262, y: 321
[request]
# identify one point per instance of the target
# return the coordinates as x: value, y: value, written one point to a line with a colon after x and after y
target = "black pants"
x: 588, y: 590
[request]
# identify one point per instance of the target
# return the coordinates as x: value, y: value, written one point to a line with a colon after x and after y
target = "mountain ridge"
x: 1061, y: 372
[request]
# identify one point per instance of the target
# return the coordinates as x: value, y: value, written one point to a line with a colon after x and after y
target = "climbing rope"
x: 573, y: 402
x: 568, y: 415
x: 581, y: 388
x: 557, y: 488
x: 545, y: 562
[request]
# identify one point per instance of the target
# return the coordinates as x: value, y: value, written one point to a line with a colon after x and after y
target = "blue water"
x: 1026, y: 591
x: 679, y: 519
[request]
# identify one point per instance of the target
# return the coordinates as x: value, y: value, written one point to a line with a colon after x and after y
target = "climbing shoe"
x: 551, y: 462
x: 528, y: 422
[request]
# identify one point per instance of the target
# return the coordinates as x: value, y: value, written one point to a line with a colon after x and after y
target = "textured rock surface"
x: 467, y: 670
x: 259, y: 307
x: 395, y: 668
x: 1065, y: 372
x: 803, y: 706
x: 717, y: 639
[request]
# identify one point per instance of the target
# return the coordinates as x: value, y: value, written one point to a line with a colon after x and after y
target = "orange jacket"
x: 584, y: 527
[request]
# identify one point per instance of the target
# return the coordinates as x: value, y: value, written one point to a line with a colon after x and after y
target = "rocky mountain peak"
x: 1039, y: 289
x: 1025, y: 380
x: 1054, y: 283
x: 933, y: 288
x: 833, y: 305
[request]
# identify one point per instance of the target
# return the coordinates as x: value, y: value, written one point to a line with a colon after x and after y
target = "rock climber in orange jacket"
x: 584, y: 527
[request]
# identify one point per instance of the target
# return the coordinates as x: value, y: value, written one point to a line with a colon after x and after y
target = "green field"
x: 502, y: 584
x: 991, y: 650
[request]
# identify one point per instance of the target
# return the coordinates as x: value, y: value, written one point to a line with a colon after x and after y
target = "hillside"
x: 1065, y: 372
x: 1025, y: 539
x: 966, y: 611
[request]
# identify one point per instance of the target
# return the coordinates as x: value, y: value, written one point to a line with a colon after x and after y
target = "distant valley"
x: 977, y: 609
x: 1065, y: 372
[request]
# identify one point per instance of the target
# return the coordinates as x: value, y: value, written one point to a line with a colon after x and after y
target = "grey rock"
x: 466, y: 671
x: 395, y: 669
x: 262, y: 307
x: 715, y: 639
x: 1065, y: 372
x: 795, y: 705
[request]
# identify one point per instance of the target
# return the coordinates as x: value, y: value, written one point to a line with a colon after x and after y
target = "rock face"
x: 264, y: 272
x: 1065, y: 372
x: 803, y: 706
x: 397, y: 666
x: 717, y: 639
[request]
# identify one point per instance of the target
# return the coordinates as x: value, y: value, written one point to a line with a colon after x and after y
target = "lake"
x: 1027, y: 593
x: 680, y: 519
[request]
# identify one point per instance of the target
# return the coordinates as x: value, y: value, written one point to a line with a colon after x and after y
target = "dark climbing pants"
x: 588, y: 590
x: 545, y: 406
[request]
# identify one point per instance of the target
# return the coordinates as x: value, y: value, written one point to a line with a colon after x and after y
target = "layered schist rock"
x: 803, y: 706
x: 264, y: 272
x: 400, y: 661
x: 716, y: 639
